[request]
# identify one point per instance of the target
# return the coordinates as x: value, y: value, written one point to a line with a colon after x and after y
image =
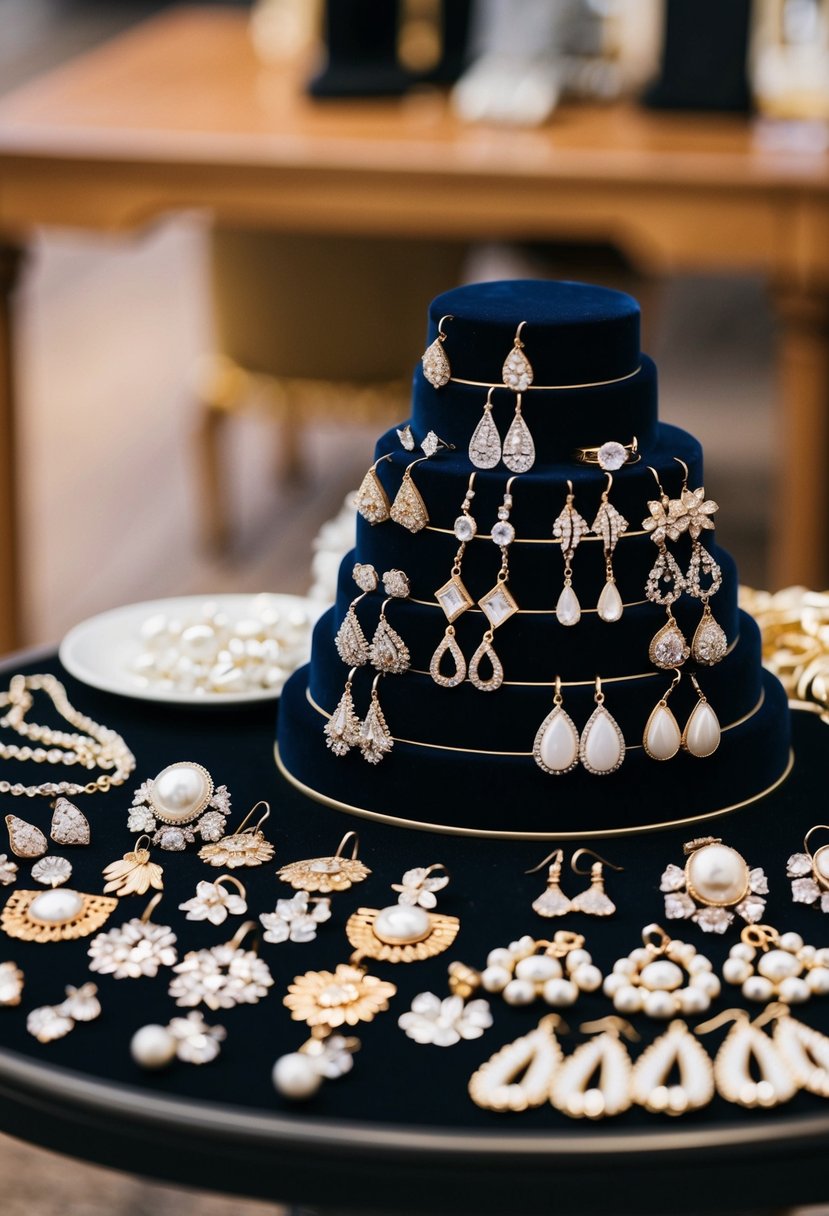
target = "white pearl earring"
x: 662, y: 978
x: 715, y: 884
x: 776, y: 966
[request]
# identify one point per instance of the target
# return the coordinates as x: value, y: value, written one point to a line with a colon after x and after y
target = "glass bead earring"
x: 568, y: 529
x: 609, y: 524
x: 435, y: 363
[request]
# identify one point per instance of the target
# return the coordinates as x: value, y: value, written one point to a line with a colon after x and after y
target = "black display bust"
x: 462, y: 759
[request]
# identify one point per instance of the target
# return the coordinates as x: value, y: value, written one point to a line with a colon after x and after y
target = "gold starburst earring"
x: 327, y: 874
x: 246, y: 847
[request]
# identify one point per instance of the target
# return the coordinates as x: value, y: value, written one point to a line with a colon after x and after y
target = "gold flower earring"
x: 409, y: 930
x: 327, y: 874
x: 246, y: 847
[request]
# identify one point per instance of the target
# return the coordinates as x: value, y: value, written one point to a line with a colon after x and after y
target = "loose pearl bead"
x: 624, y: 966
x: 500, y: 957
x: 575, y: 959
x: 613, y: 983
x: 736, y: 970
x: 560, y: 992
x: 628, y: 999
x: 791, y: 942
x: 495, y: 979
x: 537, y: 969
x: 706, y: 982
x: 588, y: 978
x: 718, y: 874
x: 757, y: 988
x: 794, y: 990
x: 743, y: 950
x: 153, y: 1047
x: 818, y: 980
x: 659, y: 1004
x: 519, y: 992
x: 296, y: 1076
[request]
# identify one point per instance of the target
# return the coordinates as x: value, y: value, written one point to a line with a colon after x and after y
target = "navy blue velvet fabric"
x: 467, y: 744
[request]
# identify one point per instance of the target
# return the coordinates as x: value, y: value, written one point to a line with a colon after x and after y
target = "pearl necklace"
x: 99, y: 747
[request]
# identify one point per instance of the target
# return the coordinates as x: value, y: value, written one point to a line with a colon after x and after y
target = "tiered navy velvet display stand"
x: 462, y: 759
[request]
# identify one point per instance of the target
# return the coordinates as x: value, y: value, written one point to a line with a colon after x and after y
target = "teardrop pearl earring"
x: 602, y: 747
x: 702, y: 733
x: 609, y: 524
x: 568, y: 529
x: 556, y: 746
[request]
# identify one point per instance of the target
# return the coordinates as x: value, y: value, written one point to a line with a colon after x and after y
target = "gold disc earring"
x: 327, y: 874
x: 435, y: 363
x: 246, y: 847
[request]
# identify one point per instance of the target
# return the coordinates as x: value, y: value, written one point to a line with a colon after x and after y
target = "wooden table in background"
x: 179, y: 114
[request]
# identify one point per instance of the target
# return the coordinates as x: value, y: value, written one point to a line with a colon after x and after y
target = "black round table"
x: 399, y: 1133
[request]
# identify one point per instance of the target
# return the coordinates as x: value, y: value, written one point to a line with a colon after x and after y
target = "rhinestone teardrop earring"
x: 435, y: 363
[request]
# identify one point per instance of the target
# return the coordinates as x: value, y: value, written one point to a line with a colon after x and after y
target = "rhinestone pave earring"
x: 351, y: 643
x: 342, y: 730
x: 594, y: 901
x: 388, y: 652
x: 375, y: 739
x: 454, y: 598
x: 435, y: 363
x: 568, y: 529
x: 408, y: 508
x: 666, y: 582
x: 709, y: 642
x: 556, y: 745
x: 371, y: 500
x: 498, y: 605
x: 552, y: 901
x: 609, y: 524
x: 485, y: 444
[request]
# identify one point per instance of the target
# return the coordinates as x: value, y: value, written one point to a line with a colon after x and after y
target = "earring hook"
x: 490, y: 391
x: 137, y: 845
x: 816, y: 828
x: 256, y: 805
x: 727, y: 1015
x: 517, y: 339
x: 509, y: 486
x: 591, y: 853
x: 241, y: 933
x: 685, y: 472
x: 409, y: 467
x: 441, y: 334
x: 557, y: 853
x: 611, y: 1025
x: 608, y: 487
x: 651, y: 469
x: 232, y: 878
x: 151, y: 907
x: 349, y: 836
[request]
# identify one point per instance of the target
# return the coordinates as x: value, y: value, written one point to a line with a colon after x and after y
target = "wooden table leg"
x: 800, y: 528
x: 10, y: 260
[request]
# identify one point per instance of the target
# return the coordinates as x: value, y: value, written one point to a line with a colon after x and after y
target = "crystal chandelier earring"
x: 748, y: 1068
x: 435, y: 363
x: 485, y: 444
x: 454, y: 598
x: 606, y: 1055
x: 568, y: 529
x: 498, y: 605
x: 552, y: 901
x: 342, y: 730
x: 810, y: 872
x: 609, y: 524
x: 709, y: 643
x: 602, y: 746
x: 371, y: 500
x: 666, y: 582
x: 388, y: 652
x: 375, y: 739
x: 556, y: 745
x: 594, y: 901
x: 518, y: 1076
x: 663, y: 738
x: 702, y: 733
x: 351, y: 643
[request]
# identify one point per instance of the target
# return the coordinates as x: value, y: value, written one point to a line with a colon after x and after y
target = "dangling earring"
x: 556, y: 745
x: 744, y: 1043
x: 517, y: 372
x: 805, y: 1051
x: 298, y: 1075
x: 518, y: 452
x: 388, y: 652
x: 552, y: 901
x: 518, y: 1077
x: 408, y: 508
x: 327, y: 874
x: 662, y: 738
x: 436, y: 367
x: 571, y: 1091
x: 602, y: 747
x: 810, y: 872
x: 610, y: 525
x: 594, y: 901
x: 568, y: 529
x: 342, y: 730
x: 485, y: 444
x: 694, y: 1088
x: 454, y: 598
x: 351, y: 643
x: 709, y: 642
x: 668, y: 647
x: 371, y: 500
x: 662, y: 980
x: 498, y: 605
x: 702, y: 733
x: 375, y: 739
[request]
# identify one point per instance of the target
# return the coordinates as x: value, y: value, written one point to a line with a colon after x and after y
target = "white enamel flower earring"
x: 498, y: 605
x: 388, y: 652
x: 189, y: 1039
x: 552, y: 901
x: 573, y: 1089
x: 609, y: 524
x: 810, y: 872
x: 435, y: 363
x: 709, y: 643
x: 568, y: 529
x: 518, y: 1076
x: 602, y: 746
x: 222, y: 976
x: 556, y: 744
x: 454, y: 598
x: 666, y: 582
x: 662, y: 978
x: 715, y: 884
x: 371, y: 499
x: 485, y: 444
x: 351, y: 642
x: 594, y: 901
x: 134, y: 949
x: 776, y: 966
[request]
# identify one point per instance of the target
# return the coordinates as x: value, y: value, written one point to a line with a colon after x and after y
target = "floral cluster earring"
x: 594, y: 901
x: 709, y: 643
x: 662, y: 738
x: 518, y: 452
x: 785, y: 970
x: 215, y: 901
x: 557, y: 748
x: 51, y: 1022
x: 498, y: 605
x: 447, y: 1021
x: 666, y: 582
x: 351, y: 642
x: 527, y: 970
x: 223, y: 976
x: 454, y: 598
x: 134, y: 949
x: 568, y: 529
x: 296, y: 919
x: 715, y: 884
x: 662, y: 978
x: 810, y: 872
x: 435, y: 363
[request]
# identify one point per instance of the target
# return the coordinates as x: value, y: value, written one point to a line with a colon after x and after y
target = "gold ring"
x: 611, y: 455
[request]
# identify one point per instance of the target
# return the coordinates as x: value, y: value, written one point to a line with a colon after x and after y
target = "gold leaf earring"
x: 408, y: 508
x: 594, y: 901
x: 552, y: 901
x: 666, y: 582
x: 25, y: 840
x: 351, y: 642
x: 409, y: 930
x: 568, y: 529
x: 435, y: 363
x: 454, y: 598
x: 327, y: 874
x: 135, y: 873
x: 371, y: 500
x: 609, y: 524
x: 246, y: 847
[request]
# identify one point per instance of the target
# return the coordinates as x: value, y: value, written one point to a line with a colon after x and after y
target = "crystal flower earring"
x: 435, y: 363
x: 375, y: 739
x: 556, y: 745
x: 371, y: 500
x: 568, y: 529
x: 810, y: 872
x: 485, y: 444
x: 709, y: 643
x: 454, y: 598
x: 388, y: 652
x: 351, y: 643
x: 602, y: 746
x: 498, y: 605
x: 609, y: 524
x: 666, y: 582
x: 594, y: 901
x: 702, y: 733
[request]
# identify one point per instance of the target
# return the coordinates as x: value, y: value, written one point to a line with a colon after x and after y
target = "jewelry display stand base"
x: 399, y: 1134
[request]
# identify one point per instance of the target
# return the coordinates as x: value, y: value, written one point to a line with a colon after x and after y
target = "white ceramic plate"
x: 101, y: 650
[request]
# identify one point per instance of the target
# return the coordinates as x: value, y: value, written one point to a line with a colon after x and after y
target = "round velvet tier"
x: 575, y: 333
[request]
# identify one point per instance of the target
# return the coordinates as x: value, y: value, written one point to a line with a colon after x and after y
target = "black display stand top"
x: 399, y: 1133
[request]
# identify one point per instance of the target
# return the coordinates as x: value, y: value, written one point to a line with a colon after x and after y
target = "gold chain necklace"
x: 98, y: 747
